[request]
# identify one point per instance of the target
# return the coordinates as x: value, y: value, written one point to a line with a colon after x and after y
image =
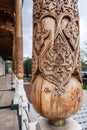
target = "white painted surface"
x: 34, y: 126
x: 19, y: 91
x: 15, y: 80
x: 2, y: 67
x: 25, y: 122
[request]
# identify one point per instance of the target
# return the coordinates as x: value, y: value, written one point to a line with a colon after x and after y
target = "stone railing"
x: 25, y: 121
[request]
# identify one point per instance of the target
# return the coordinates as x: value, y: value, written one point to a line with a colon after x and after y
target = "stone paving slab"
x: 5, y: 82
x: 6, y: 93
x: 81, y: 116
x: 8, y: 117
x: 6, y: 98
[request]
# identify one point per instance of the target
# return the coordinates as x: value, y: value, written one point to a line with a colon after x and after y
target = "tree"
x: 8, y: 67
x: 27, y: 67
x: 84, y: 52
x: 84, y: 56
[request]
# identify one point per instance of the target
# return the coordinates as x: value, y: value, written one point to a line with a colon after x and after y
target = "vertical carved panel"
x: 19, y: 60
x: 56, y: 57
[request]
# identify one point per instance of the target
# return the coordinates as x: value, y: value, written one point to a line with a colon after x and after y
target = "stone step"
x: 8, y: 120
x: 6, y: 98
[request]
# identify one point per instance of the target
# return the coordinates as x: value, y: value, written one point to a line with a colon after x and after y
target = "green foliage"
x: 27, y: 67
x: 84, y: 56
x: 85, y: 86
x: 8, y: 67
x: 84, y: 66
x: 83, y: 52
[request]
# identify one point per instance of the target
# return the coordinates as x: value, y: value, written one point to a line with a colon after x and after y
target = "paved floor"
x: 81, y: 116
x: 8, y: 117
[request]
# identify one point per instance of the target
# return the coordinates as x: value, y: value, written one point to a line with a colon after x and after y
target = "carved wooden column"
x: 14, y: 65
x: 14, y: 57
x: 18, y: 53
x: 19, y: 38
x: 56, y: 71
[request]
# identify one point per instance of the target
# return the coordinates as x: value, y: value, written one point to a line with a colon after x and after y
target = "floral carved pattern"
x: 56, y: 42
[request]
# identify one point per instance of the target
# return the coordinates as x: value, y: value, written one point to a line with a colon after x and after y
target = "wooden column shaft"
x: 56, y: 72
x: 14, y: 58
x: 18, y: 39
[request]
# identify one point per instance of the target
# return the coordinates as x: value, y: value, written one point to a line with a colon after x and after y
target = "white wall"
x: 2, y: 67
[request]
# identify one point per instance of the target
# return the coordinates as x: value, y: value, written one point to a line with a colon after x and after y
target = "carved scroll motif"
x: 19, y: 60
x: 56, y: 42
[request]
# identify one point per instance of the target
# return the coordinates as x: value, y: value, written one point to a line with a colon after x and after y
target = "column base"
x: 70, y: 124
x: 35, y: 126
x: 14, y: 82
x: 58, y: 122
x: 19, y: 91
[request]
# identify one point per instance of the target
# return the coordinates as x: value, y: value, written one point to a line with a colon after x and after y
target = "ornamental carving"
x: 56, y: 49
x: 56, y: 58
x: 19, y: 59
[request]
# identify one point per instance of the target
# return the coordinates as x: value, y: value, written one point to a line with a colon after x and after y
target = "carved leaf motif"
x: 34, y: 64
x: 57, y: 62
x: 56, y: 41
x: 37, y: 36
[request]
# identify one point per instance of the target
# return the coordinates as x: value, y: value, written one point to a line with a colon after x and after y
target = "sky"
x: 27, y: 25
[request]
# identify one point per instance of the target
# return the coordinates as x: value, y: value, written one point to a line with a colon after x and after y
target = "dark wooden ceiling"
x: 7, y: 24
x: 6, y: 44
x: 7, y: 5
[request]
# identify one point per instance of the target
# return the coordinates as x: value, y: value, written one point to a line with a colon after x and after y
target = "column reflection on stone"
x: 56, y: 71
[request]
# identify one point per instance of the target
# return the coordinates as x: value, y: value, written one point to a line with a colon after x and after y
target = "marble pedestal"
x: 69, y: 125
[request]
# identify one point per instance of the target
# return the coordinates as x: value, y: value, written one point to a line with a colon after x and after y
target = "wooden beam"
x: 7, y: 5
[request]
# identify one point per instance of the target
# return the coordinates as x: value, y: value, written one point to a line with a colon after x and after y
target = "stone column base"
x: 70, y: 124
x: 14, y: 82
x: 19, y: 91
